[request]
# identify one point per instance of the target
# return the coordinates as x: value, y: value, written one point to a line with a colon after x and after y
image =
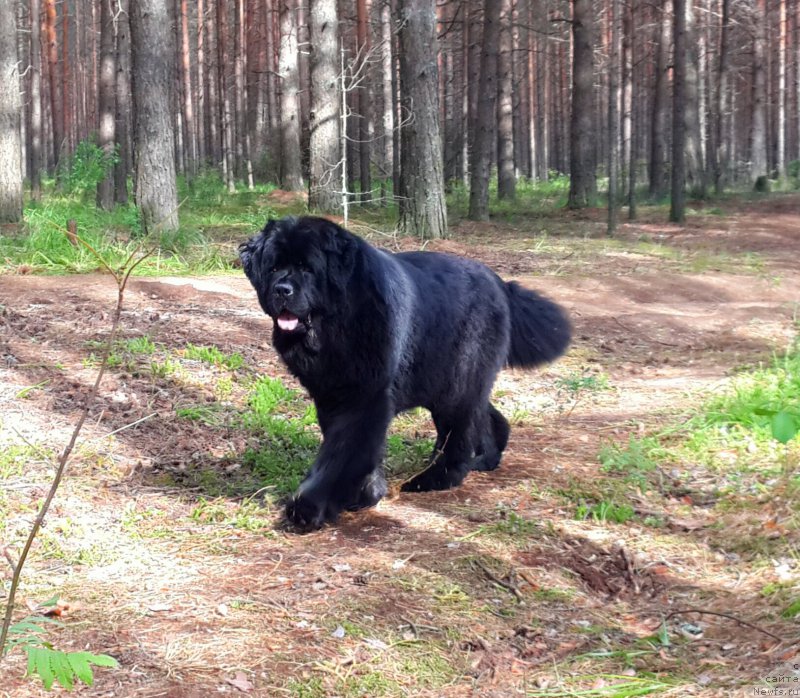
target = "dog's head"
x: 295, y: 266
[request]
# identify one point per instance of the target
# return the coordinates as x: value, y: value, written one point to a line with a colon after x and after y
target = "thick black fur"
x: 370, y: 334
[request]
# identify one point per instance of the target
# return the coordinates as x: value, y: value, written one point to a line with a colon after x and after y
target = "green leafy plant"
x: 634, y: 460
x: 51, y: 665
x: 212, y: 355
x: 88, y: 166
x: 605, y: 511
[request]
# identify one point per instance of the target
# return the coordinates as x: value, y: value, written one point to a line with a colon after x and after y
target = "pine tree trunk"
x: 152, y: 53
x: 423, y: 211
x: 387, y: 63
x: 364, y: 102
x: 723, y: 134
x: 10, y: 108
x: 106, y: 99
x: 123, y: 104
x: 583, y: 179
x: 188, y: 99
x: 658, y: 126
x: 243, y: 150
x: 56, y: 104
x: 324, y: 146
x: 506, y: 179
x: 202, y: 122
x: 473, y: 67
x: 35, y: 127
x: 694, y: 149
x: 240, y: 129
x: 213, y: 108
x: 67, y: 84
x: 226, y: 111
x: 758, y: 128
x: 627, y: 84
x: 613, y: 118
x: 24, y: 59
x: 781, y: 125
x: 677, y: 211
x: 632, y: 160
x: 483, y: 143
x: 291, y: 172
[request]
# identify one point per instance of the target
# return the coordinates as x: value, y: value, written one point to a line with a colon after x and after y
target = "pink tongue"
x: 287, y: 322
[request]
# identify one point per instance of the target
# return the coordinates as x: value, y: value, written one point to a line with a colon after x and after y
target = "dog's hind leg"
x: 490, y: 439
x: 450, y: 461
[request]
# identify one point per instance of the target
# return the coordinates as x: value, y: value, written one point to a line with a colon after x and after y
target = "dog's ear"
x: 340, y: 246
x: 246, y: 251
x: 252, y: 251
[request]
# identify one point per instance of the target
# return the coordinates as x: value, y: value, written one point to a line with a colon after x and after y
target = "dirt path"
x: 494, y: 589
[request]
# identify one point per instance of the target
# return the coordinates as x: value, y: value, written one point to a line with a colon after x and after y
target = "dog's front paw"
x: 305, y: 514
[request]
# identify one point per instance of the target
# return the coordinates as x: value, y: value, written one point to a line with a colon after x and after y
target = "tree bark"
x: 723, y: 133
x: 583, y: 179
x: 613, y: 119
x: 506, y: 178
x: 677, y: 211
x: 758, y: 129
x: 364, y: 102
x: 387, y: 70
x: 152, y: 52
x: 483, y: 138
x: 781, y: 125
x: 188, y: 97
x: 10, y: 108
x: 106, y: 99
x: 123, y: 105
x: 694, y: 148
x: 631, y: 100
x: 324, y: 146
x: 213, y: 108
x: 56, y: 104
x: 423, y: 211
x: 658, y: 124
x: 35, y: 128
x: 226, y: 111
x: 291, y: 172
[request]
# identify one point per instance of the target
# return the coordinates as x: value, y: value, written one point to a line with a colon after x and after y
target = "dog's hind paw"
x: 436, y: 478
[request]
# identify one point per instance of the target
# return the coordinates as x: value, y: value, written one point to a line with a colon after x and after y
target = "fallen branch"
x: 507, y: 585
x: 752, y: 626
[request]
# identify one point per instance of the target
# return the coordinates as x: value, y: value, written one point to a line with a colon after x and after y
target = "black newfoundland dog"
x: 370, y: 334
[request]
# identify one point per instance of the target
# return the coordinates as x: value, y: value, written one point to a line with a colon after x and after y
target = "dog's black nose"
x: 283, y: 289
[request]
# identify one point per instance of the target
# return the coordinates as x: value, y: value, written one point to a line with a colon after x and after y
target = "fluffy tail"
x: 540, y: 329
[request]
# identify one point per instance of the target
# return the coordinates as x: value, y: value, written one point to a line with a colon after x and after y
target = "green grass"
x: 635, y: 460
x: 288, y: 442
x: 247, y: 516
x: 14, y: 458
x: 583, y: 381
x: 138, y: 345
x: 213, y: 356
x: 406, y: 456
x: 509, y: 525
x: 731, y: 441
x: 605, y: 511
x: 212, y: 222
